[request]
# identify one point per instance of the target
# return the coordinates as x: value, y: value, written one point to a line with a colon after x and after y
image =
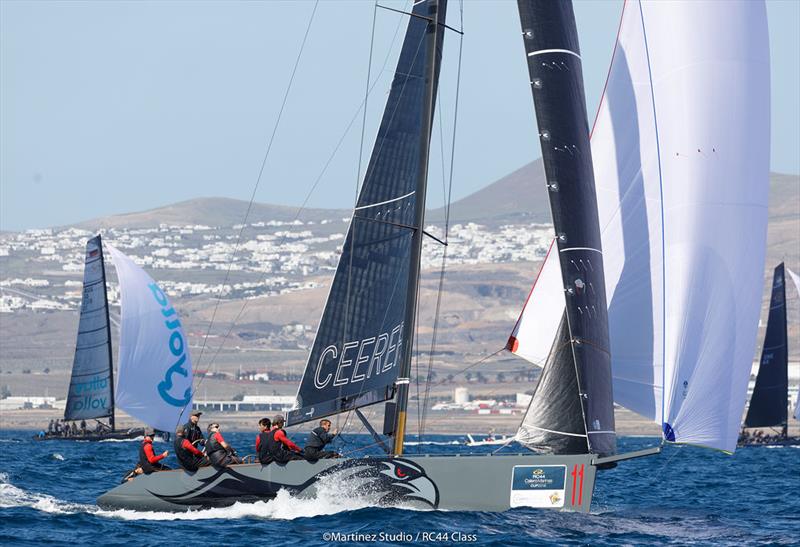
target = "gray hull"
x: 469, y: 483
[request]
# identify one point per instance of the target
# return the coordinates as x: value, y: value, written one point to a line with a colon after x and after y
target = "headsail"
x: 769, y: 403
x: 155, y: 370
x: 363, y: 336
x: 91, y: 387
x: 581, y: 348
x: 681, y: 162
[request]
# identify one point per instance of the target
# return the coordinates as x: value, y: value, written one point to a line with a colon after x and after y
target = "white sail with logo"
x: 681, y: 163
x: 155, y: 370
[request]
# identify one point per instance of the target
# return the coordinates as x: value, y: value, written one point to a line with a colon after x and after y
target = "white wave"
x: 333, y: 495
x: 56, y: 456
x: 12, y: 496
x: 135, y: 439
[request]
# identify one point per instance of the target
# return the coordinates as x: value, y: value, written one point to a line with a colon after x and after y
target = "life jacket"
x: 276, y: 451
x: 147, y: 467
x: 191, y: 432
x: 263, y: 452
x: 186, y: 459
x: 214, y: 450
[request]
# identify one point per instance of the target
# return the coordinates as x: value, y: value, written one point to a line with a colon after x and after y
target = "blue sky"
x: 113, y: 107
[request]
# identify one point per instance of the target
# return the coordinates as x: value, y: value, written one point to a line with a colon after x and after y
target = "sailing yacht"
x: 363, y: 348
x: 769, y: 404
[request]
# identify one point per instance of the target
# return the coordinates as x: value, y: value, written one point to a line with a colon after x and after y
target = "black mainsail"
x: 572, y: 409
x: 91, y: 388
x: 769, y: 403
x: 365, y: 334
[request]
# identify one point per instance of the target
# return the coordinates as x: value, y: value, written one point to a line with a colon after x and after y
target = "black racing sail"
x: 769, y: 403
x: 91, y: 388
x: 572, y: 411
x: 365, y: 334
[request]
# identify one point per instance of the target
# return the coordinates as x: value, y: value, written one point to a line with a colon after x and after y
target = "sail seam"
x: 580, y: 249
x: 553, y: 431
x: 663, y: 246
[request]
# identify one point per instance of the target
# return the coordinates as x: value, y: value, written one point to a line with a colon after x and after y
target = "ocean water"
x: 685, y: 496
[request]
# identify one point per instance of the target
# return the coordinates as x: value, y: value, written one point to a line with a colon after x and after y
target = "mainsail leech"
x: 583, y: 373
x: 365, y: 334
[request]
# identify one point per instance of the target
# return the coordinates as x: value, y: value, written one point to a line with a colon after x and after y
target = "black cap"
x: 195, y: 413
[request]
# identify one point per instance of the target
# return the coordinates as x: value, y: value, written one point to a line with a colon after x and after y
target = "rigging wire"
x: 306, y: 199
x: 434, y: 334
x: 252, y: 200
x: 258, y: 179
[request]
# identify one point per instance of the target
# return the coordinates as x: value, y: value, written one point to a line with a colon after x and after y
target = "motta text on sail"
x: 176, y: 348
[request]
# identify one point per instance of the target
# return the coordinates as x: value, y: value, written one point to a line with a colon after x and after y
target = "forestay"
x: 155, y: 369
x: 362, y: 338
x: 90, y: 387
x: 681, y: 162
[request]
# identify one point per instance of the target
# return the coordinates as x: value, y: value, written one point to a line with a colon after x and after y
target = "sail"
x: 90, y: 388
x: 362, y: 336
x: 554, y: 64
x: 769, y: 403
x: 553, y: 422
x: 681, y: 158
x: 155, y: 370
x: 796, y: 280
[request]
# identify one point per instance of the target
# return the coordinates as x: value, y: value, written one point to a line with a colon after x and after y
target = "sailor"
x: 147, y: 458
x: 189, y: 456
x: 83, y: 427
x: 191, y: 431
x: 317, y: 439
x: 264, y: 425
x: 50, y: 428
x: 279, y: 447
x: 218, y: 452
x: 133, y: 473
x: 74, y: 429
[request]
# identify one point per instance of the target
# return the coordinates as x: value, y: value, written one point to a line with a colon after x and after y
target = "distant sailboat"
x: 91, y: 387
x: 363, y: 348
x: 154, y: 375
x: 769, y: 404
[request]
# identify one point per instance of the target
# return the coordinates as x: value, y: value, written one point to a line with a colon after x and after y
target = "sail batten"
x: 91, y: 390
x: 364, y: 333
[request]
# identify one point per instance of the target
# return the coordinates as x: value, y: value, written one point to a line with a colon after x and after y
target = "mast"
x: 108, y: 328
x: 580, y: 360
x: 403, y: 379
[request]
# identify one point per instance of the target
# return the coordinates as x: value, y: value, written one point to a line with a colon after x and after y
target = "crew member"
x: 189, y: 457
x: 264, y: 425
x: 83, y: 427
x: 50, y: 428
x: 191, y: 431
x: 218, y: 452
x: 279, y: 447
x: 317, y: 439
x: 147, y: 458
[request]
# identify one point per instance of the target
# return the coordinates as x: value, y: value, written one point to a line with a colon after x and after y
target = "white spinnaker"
x: 796, y: 279
x: 154, y: 381
x: 681, y: 159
